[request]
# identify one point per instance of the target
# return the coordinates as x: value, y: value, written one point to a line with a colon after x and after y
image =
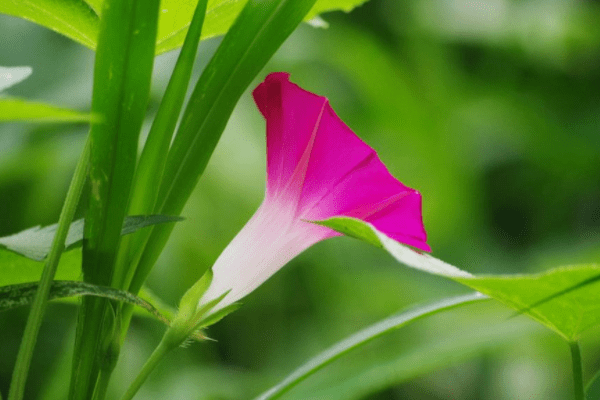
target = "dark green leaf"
x: 22, y: 294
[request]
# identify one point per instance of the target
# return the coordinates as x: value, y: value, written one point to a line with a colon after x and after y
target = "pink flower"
x: 317, y: 168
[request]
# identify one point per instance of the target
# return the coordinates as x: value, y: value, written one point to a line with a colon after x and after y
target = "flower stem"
x: 577, y: 370
x: 164, y: 347
x: 40, y: 301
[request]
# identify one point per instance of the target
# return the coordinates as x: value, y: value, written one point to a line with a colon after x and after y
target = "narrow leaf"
x: 366, y: 335
x: 35, y: 242
x: 10, y: 76
x: 12, y: 109
x: 152, y: 161
x: 20, y: 295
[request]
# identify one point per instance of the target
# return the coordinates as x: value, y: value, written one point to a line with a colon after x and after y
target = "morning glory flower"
x: 317, y: 168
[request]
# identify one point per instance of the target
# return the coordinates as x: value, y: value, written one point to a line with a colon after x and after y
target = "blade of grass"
x: 366, y: 335
x: 122, y: 74
x: 40, y: 301
x: 154, y: 155
x: 257, y: 33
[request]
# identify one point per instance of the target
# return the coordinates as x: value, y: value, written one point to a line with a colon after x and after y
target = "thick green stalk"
x: 40, y: 301
x: 577, y: 370
x: 122, y: 75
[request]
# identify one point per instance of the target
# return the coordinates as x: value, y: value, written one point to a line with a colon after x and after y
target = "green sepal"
x: 190, y: 300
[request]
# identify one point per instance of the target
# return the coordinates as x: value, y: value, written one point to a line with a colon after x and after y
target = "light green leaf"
x: 569, y: 314
x: 15, y: 269
x: 364, y: 336
x: 77, y: 20
x: 35, y: 242
x: 12, y: 109
x: 72, y: 18
x: 10, y: 76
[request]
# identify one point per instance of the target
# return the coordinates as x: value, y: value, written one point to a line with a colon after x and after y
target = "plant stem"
x: 577, y: 370
x: 40, y: 301
x: 164, y: 347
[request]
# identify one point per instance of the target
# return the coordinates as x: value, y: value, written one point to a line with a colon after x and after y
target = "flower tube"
x: 317, y: 168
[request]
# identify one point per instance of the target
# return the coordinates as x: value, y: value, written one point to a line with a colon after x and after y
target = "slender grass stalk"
x: 164, y: 347
x: 577, y: 370
x: 365, y: 336
x: 40, y: 301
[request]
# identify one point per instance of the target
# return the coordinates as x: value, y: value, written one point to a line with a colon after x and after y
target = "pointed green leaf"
x: 35, y: 242
x: 569, y: 314
x: 10, y: 76
x: 365, y: 336
x: 12, y: 109
x: 78, y: 20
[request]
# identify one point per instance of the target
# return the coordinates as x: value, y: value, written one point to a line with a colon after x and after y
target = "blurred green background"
x: 490, y: 108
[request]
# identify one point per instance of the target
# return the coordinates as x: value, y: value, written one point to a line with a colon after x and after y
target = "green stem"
x: 163, y: 348
x: 17, y: 386
x: 102, y: 385
x: 577, y: 370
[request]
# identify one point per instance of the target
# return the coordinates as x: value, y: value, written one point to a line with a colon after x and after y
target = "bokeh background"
x: 490, y: 108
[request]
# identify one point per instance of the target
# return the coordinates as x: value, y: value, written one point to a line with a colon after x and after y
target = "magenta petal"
x: 292, y: 114
x: 318, y: 165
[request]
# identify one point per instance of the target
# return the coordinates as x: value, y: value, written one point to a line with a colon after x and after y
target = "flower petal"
x: 318, y: 165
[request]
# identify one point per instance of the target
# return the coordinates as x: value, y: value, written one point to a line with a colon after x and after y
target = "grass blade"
x: 154, y: 155
x: 40, y: 301
x: 259, y: 30
x: 122, y: 74
x: 366, y: 335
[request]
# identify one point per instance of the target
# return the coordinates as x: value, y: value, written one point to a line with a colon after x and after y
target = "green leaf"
x: 10, y: 76
x: 365, y: 336
x: 35, y: 242
x: 12, y: 109
x: 15, y: 269
x: 22, y: 294
x: 122, y: 75
x: 569, y: 314
x: 78, y: 21
x: 72, y: 18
